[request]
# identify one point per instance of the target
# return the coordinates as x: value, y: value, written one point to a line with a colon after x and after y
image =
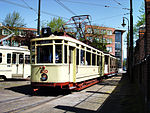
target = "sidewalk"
x: 126, y: 98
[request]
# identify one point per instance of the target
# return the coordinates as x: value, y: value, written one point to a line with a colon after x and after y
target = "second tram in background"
x: 65, y: 62
x: 14, y: 62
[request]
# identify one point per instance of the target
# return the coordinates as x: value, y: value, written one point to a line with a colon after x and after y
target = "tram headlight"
x: 44, y: 77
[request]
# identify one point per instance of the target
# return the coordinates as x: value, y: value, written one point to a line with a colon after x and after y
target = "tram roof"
x: 68, y: 38
x: 14, y: 48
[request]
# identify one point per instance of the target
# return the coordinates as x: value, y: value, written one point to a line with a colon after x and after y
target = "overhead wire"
x: 61, y: 4
x: 105, y: 18
x: 120, y: 4
x: 93, y: 4
x: 28, y: 7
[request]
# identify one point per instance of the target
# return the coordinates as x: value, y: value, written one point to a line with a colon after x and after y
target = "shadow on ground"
x: 27, y: 90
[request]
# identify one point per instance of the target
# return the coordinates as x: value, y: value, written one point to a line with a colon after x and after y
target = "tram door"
x: 17, y: 65
x: 72, y: 63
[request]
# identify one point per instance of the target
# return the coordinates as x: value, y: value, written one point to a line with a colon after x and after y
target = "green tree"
x: 141, y: 20
x: 56, y: 24
x: 100, y: 43
x: 14, y: 20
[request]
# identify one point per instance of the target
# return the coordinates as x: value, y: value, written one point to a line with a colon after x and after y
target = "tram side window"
x: 33, y: 59
x: 65, y: 59
x: 88, y: 58
x: 45, y: 54
x: 93, y: 59
x: 101, y: 60
x: 27, y: 59
x: 58, y: 54
x: 14, y: 58
x: 98, y: 60
x: 21, y: 59
x: 82, y: 57
x: 70, y: 55
x: 106, y: 59
x: 8, y: 58
x: 0, y: 57
x: 77, y: 55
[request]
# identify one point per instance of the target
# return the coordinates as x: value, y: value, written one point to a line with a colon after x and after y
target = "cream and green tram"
x: 62, y: 61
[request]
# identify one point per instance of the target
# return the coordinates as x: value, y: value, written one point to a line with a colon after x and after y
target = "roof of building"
x: 21, y: 28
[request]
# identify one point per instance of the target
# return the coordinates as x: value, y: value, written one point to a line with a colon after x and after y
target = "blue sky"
x: 101, y: 15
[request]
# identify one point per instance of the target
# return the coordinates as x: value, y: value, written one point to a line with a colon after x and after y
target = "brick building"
x: 111, y: 36
x: 105, y: 34
x: 139, y: 52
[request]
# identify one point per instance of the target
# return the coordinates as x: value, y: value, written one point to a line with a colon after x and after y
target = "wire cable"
x: 105, y: 18
x: 93, y: 4
x: 60, y: 3
x: 120, y: 4
x: 29, y: 6
x: 26, y: 7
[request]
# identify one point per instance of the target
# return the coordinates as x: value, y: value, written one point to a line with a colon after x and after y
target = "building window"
x: 96, y: 31
x: 103, y: 31
x: 109, y: 49
x: 89, y: 38
x: 89, y: 30
x: 109, y: 32
x: 5, y: 32
x: 0, y: 57
x: 109, y: 40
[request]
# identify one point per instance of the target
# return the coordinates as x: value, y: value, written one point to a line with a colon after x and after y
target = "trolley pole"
x: 38, y: 27
x: 131, y: 42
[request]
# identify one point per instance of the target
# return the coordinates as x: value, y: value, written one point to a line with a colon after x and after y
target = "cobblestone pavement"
x: 105, y: 97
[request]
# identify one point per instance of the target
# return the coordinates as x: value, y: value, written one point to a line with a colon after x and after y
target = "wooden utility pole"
x: 38, y: 27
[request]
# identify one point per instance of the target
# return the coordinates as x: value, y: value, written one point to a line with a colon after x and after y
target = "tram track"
x: 21, y: 109
x: 12, y: 100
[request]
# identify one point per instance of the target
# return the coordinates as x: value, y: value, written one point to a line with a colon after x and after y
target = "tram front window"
x: 58, y: 58
x: 45, y: 54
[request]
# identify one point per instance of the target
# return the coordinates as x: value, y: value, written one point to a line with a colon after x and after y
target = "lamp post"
x: 123, y: 24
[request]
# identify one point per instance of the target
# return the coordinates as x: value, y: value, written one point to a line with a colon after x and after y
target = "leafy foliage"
x: 14, y: 20
x: 100, y: 44
x: 56, y: 24
x: 141, y: 20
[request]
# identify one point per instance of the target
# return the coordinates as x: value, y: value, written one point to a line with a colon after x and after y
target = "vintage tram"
x: 65, y: 62
x: 14, y: 61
